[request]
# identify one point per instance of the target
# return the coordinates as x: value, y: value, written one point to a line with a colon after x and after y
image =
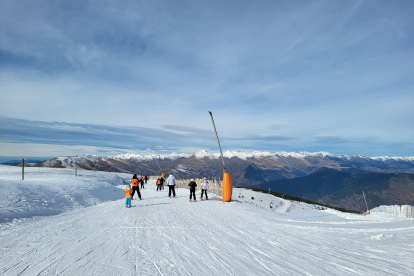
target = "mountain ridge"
x: 246, y: 168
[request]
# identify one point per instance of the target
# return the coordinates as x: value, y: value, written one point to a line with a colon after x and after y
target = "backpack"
x: 158, y: 181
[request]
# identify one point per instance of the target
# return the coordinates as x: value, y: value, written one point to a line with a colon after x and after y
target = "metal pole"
x: 365, y: 200
x: 221, y: 153
x: 23, y: 169
x: 157, y: 164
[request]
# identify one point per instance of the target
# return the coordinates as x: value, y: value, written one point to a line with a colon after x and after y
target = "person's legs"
x: 169, y: 191
x: 139, y: 194
x: 173, y: 188
x: 133, y: 191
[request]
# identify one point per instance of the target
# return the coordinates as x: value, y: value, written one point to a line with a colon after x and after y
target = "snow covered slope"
x: 172, y: 236
x: 48, y: 191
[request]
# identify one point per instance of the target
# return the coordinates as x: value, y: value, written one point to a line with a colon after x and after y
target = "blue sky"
x: 109, y: 77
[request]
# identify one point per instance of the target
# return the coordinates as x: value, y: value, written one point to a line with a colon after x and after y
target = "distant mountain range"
x: 246, y: 168
x: 332, y: 179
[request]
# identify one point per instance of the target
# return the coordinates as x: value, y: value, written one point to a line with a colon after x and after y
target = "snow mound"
x: 47, y: 191
x: 403, y: 211
x: 270, y: 202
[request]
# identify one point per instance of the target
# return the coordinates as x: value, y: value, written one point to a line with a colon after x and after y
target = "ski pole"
x: 122, y: 183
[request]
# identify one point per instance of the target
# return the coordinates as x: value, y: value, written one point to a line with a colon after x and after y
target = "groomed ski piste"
x: 54, y: 223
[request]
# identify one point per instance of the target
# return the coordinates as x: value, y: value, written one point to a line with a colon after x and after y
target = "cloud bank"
x: 277, y: 75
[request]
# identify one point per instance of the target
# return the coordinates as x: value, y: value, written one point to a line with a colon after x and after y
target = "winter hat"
x: 205, y: 178
x: 128, y: 186
x: 192, y: 179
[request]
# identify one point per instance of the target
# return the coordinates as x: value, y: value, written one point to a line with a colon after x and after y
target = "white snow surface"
x: 81, y: 227
x: 393, y: 210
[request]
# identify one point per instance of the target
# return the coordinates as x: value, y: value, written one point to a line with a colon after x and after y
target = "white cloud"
x: 48, y: 150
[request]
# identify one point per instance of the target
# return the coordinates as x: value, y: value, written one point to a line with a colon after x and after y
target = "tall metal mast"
x: 157, y: 164
x: 365, y: 201
x: 221, y: 153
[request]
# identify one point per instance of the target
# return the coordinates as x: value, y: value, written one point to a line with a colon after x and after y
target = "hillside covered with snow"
x: 54, y: 223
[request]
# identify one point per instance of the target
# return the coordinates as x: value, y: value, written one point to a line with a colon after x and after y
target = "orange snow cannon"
x: 227, y: 187
x: 227, y: 184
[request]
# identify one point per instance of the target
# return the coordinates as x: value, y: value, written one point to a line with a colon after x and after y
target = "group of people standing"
x: 193, y: 186
x: 130, y: 191
x: 171, y: 182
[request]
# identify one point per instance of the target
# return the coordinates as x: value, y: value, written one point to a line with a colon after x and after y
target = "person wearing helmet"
x: 128, y: 196
x: 193, y: 186
x: 204, y: 186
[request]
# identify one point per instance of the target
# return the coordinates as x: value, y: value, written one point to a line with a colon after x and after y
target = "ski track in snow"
x: 172, y: 236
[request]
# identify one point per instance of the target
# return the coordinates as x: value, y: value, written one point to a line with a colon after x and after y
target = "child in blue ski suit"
x: 128, y: 196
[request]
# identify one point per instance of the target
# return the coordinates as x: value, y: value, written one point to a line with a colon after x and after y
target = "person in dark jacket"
x: 159, y: 184
x: 135, y: 186
x: 162, y: 183
x: 141, y: 180
x: 193, y: 186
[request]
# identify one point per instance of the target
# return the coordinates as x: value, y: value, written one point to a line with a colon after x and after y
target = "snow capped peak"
x: 204, y: 153
x: 230, y: 154
x: 151, y: 157
x: 395, y: 158
x: 86, y: 159
x: 128, y: 156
